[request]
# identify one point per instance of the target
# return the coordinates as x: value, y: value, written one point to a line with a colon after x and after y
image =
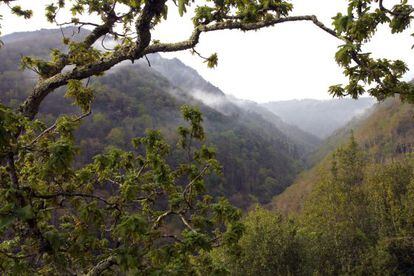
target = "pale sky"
x: 289, y: 61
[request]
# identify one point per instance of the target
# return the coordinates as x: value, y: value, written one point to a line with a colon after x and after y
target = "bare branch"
x: 194, y: 51
x: 186, y: 223
x: 146, y: 58
x: 160, y: 218
x: 82, y: 23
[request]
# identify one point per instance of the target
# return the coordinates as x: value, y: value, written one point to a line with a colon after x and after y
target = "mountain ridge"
x: 381, y: 140
x: 307, y: 114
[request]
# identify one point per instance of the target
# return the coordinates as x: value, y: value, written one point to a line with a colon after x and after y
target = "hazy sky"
x: 288, y: 61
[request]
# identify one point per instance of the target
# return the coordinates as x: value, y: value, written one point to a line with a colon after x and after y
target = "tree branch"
x: 51, y: 196
x: 172, y: 237
x: 52, y: 127
x: 160, y: 218
x: 102, y: 266
x: 381, y: 6
x: 30, y: 107
x: 201, y: 174
x: 186, y: 223
x: 14, y: 256
x: 101, y: 30
x: 230, y: 25
x: 44, y: 87
x: 12, y: 170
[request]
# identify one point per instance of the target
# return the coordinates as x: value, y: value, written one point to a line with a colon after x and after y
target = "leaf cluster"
x: 130, y: 207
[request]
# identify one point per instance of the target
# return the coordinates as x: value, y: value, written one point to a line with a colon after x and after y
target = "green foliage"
x: 8, y: 127
x: 136, y: 213
x: 335, y: 218
x: 82, y: 95
x: 212, y: 61
x: 41, y: 67
x: 348, y: 164
x: 17, y: 10
x: 271, y: 246
x: 82, y: 54
x: 128, y: 208
x: 356, y: 27
x: 358, y: 220
x: 246, y: 11
x: 134, y: 98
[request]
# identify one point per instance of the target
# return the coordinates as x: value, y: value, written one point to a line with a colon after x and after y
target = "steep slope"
x: 321, y: 118
x: 308, y: 141
x: 258, y: 159
x: 249, y: 113
x: 182, y: 76
x: 385, y: 134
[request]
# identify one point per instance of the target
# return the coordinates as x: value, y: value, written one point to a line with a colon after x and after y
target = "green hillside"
x: 384, y: 134
x: 259, y: 159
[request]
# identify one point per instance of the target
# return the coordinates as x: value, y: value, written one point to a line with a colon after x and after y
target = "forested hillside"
x: 382, y: 140
x: 308, y: 114
x: 355, y: 219
x: 351, y: 214
x: 117, y: 161
x: 260, y: 154
x: 249, y: 112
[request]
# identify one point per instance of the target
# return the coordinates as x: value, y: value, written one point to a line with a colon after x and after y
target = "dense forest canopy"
x: 56, y: 217
x: 357, y: 220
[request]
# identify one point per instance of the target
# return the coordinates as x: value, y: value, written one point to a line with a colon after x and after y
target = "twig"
x: 381, y: 6
x: 52, y: 127
x: 161, y: 217
x: 201, y: 174
x: 50, y: 196
x: 193, y: 51
x: 186, y: 223
x: 102, y: 266
x: 11, y: 256
x: 149, y: 63
x: 103, y: 44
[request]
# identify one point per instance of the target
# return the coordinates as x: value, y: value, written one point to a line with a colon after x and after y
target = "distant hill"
x: 181, y: 75
x: 185, y: 77
x: 385, y: 133
x: 261, y: 155
x: 297, y: 135
x: 319, y: 117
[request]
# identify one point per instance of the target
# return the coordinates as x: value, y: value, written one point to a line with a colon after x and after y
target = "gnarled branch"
x: 102, y: 266
x: 44, y: 87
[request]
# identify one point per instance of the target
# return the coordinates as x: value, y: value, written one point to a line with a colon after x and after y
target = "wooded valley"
x: 121, y: 161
